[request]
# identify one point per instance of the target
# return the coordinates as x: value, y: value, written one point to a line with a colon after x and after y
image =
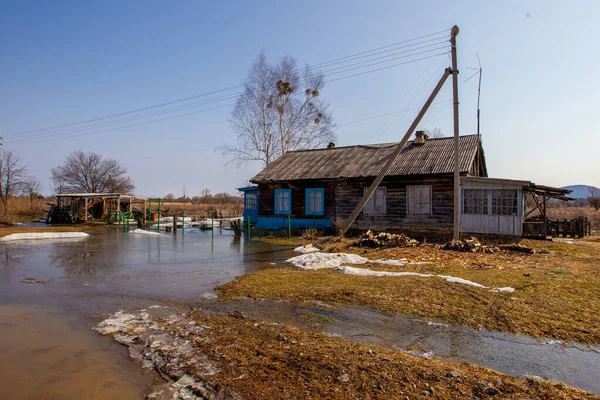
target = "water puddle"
x: 46, y: 355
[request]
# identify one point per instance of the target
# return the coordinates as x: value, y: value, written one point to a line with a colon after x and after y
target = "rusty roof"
x: 435, y: 156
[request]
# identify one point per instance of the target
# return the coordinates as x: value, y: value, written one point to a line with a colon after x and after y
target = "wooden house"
x: 311, y: 188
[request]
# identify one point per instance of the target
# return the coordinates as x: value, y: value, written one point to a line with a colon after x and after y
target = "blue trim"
x: 289, y: 203
x: 306, y: 201
x: 247, y: 188
x: 296, y: 223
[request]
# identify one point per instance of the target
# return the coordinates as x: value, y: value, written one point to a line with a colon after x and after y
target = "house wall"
x: 509, y: 225
x: 349, y: 193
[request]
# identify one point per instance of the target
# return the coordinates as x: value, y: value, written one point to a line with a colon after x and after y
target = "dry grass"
x: 21, y: 209
x: 546, y: 303
x: 566, y: 212
x: 267, y: 361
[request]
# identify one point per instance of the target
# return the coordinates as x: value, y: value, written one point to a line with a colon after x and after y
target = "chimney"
x: 331, y: 145
x: 420, y: 138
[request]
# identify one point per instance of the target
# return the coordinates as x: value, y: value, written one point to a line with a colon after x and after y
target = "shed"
x: 89, y: 206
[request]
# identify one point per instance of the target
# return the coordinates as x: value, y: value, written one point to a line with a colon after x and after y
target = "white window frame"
x: 504, y: 200
x: 370, y: 207
x: 468, y: 208
x: 409, y: 210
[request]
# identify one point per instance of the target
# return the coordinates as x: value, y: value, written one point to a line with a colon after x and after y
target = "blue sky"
x: 64, y: 62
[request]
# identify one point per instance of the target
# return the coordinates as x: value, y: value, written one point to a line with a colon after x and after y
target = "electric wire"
x: 349, y: 58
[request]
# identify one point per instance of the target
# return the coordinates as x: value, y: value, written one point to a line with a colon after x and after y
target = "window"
x: 315, y: 201
x: 377, y: 204
x: 475, y: 201
x: 419, y: 200
x: 504, y: 202
x: 283, y: 201
x: 251, y: 200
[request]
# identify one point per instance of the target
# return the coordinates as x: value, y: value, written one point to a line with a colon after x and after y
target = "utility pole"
x: 479, y: 96
x: 456, y: 230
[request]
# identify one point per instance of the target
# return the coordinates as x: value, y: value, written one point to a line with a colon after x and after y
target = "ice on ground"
x: 317, y: 260
x: 139, y: 231
x: 305, y: 250
x: 43, y: 235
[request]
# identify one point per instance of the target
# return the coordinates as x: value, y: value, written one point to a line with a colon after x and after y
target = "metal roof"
x: 435, y: 156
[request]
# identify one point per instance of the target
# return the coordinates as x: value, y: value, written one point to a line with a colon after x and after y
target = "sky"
x: 70, y: 61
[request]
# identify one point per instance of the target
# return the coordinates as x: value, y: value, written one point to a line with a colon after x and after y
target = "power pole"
x: 456, y: 230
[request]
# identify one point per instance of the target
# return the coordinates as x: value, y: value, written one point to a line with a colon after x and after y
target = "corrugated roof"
x: 435, y: 156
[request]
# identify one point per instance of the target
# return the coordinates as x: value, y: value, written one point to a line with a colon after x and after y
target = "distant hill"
x: 579, y: 191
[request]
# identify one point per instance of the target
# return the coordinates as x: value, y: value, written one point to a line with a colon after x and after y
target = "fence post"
x: 248, y: 220
x: 289, y: 226
x: 182, y: 223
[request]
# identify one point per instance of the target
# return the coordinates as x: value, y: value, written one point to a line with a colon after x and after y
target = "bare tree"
x: 91, y: 173
x: 593, y: 197
x: 32, y: 188
x: 13, y: 175
x: 280, y: 110
x: 169, y: 196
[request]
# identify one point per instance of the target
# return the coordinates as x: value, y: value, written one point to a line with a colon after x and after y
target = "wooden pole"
x: 456, y: 230
x: 394, y: 154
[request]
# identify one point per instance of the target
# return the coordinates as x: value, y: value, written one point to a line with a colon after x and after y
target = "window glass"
x: 315, y: 201
x: 283, y: 201
x: 475, y: 201
x: 504, y: 202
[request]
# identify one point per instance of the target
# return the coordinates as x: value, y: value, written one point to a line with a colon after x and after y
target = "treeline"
x: 205, y: 198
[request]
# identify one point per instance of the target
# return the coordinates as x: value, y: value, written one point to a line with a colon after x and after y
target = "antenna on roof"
x: 480, y: 72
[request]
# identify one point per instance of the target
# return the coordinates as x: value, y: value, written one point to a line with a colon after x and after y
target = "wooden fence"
x: 577, y: 227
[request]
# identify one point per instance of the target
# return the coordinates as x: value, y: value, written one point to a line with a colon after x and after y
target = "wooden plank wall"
x: 349, y: 194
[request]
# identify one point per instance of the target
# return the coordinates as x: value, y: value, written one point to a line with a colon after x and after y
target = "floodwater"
x: 48, y: 350
x: 53, y: 291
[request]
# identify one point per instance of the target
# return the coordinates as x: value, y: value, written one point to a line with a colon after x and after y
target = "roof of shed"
x: 435, y: 156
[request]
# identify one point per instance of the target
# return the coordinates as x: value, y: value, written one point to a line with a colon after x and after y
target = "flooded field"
x: 53, y: 292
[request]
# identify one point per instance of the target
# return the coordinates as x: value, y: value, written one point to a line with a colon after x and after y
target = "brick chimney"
x: 420, y: 138
x: 331, y: 145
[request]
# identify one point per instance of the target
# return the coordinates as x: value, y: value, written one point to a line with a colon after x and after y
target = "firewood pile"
x: 384, y: 239
x: 473, y: 245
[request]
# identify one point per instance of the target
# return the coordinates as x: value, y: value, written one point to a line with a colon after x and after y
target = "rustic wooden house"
x: 311, y: 188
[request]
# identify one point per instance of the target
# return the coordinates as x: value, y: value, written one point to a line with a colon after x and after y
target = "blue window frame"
x: 315, y: 201
x: 283, y: 201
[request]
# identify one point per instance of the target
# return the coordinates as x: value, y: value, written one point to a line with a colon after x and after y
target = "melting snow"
x: 43, y: 235
x: 144, y: 232
x: 319, y: 260
x: 303, y: 249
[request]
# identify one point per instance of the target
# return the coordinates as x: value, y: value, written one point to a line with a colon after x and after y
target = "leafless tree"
x: 593, y: 197
x: 280, y: 110
x: 32, y: 188
x: 91, y: 173
x: 13, y: 175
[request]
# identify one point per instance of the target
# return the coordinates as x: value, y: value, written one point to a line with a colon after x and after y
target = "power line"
x: 341, y: 69
x: 217, y: 91
x: 62, y: 135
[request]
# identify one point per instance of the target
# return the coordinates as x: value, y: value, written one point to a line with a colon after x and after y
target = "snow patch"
x: 306, y: 250
x: 317, y: 260
x: 43, y: 235
x: 139, y: 231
